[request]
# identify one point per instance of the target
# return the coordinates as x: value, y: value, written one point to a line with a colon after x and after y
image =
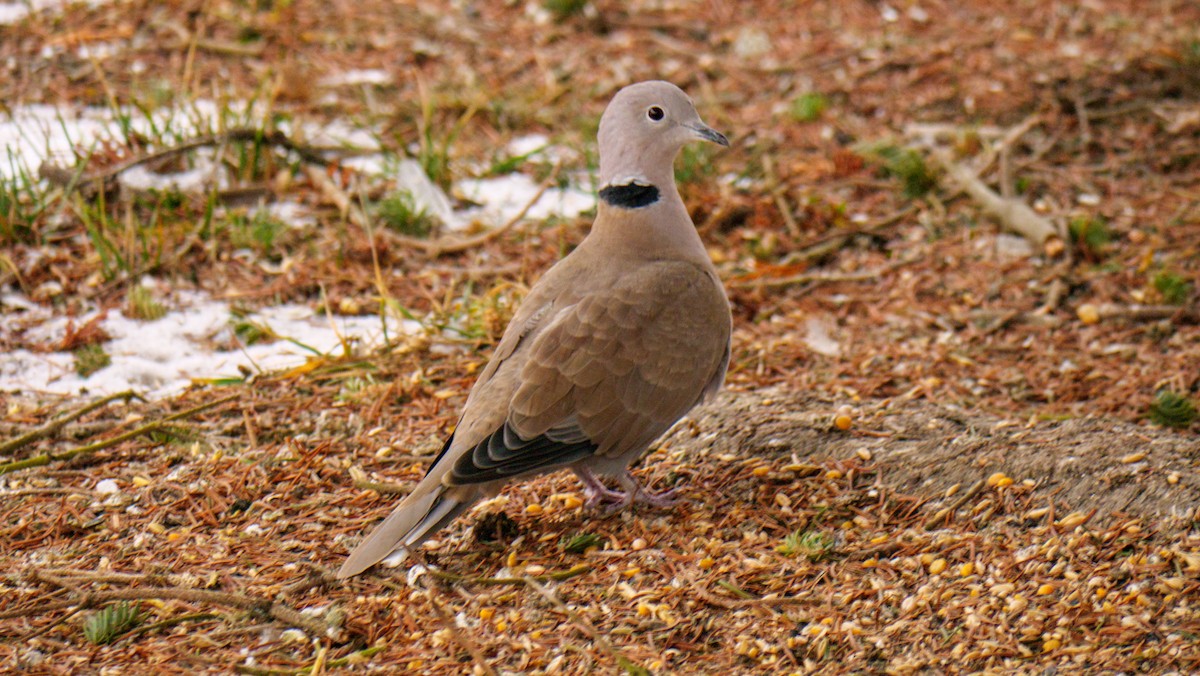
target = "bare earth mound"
x: 1110, y: 466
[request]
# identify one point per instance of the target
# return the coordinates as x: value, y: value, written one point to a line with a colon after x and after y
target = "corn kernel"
x: 707, y: 563
x: 1051, y: 644
x: 643, y: 610
x: 630, y: 572
x: 1088, y: 314
x: 174, y: 537
x: 534, y: 509
x: 511, y: 562
x: 141, y: 481
x: 1101, y: 592
x: 937, y: 566
x: 995, y: 479
x: 572, y: 502
x: 760, y: 471
x: 843, y: 422
x: 967, y: 569
x: 833, y: 474
x: 486, y: 614
x: 501, y: 625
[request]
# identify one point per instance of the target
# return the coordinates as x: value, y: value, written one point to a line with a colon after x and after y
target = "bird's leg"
x: 596, y: 493
x: 635, y: 492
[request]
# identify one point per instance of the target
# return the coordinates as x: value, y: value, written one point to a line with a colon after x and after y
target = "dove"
x: 613, y: 345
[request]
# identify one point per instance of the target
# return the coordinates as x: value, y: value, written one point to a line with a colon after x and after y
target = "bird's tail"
x: 414, y: 520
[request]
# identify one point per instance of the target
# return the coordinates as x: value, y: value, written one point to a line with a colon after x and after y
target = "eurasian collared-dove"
x: 613, y: 345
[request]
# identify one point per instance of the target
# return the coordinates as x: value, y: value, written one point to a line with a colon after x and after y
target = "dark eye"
x: 655, y: 113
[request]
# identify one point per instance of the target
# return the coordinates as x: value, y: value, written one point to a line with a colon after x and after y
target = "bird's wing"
x: 607, y: 375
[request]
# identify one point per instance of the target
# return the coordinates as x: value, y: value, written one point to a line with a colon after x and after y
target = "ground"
x: 938, y: 449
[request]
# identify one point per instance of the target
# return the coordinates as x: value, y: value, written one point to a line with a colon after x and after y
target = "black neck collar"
x: 629, y: 195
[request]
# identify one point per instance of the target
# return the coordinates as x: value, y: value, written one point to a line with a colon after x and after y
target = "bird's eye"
x: 655, y: 113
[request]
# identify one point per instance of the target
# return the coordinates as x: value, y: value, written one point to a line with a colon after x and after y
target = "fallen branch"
x: 1014, y: 214
x: 1148, y: 313
x: 561, y: 575
x: 588, y: 629
x: 432, y: 248
x: 67, y: 178
x: 49, y: 457
x: 352, y: 658
x: 754, y: 282
x: 313, y: 626
x: 942, y: 514
x: 361, y: 481
x: 57, y: 424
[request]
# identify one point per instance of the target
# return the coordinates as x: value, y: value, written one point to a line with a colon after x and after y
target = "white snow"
x: 161, y: 357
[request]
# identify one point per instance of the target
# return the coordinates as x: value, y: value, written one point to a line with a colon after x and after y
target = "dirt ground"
x: 1003, y: 500
x: 1115, y: 468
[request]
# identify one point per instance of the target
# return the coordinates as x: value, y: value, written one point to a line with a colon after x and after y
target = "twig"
x: 835, y: 241
x: 1014, y: 214
x: 932, y: 522
x: 748, y: 281
x: 61, y: 176
x: 586, y: 627
x: 1150, y: 313
x: 432, y: 248
x: 273, y: 609
x: 352, y: 658
x: 462, y: 639
x: 384, y: 488
x: 574, y: 571
x: 57, y: 424
x: 49, y: 457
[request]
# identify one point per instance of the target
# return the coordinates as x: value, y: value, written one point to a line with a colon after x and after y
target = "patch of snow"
x: 359, y: 76
x: 502, y: 197
x: 161, y: 357
x: 12, y: 12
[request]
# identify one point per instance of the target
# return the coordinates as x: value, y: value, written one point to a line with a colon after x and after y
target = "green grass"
x: 399, y: 212
x: 809, y: 107
x: 916, y: 178
x: 1091, y: 235
x: 140, y: 303
x: 89, y: 359
x: 1171, y: 409
x: 813, y: 545
x: 1175, y: 288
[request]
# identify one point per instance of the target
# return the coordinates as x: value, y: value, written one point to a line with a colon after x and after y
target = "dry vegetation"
x: 1003, y: 500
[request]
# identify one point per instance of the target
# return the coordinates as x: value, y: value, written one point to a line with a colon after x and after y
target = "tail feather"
x: 416, y: 518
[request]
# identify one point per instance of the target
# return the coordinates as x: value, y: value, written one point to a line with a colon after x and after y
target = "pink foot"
x: 597, y: 494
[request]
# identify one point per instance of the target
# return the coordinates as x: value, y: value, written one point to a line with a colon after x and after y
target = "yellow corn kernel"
x: 843, y: 422
x: 937, y: 566
x: 1051, y: 644
x: 1045, y: 589
x: 967, y: 569
x: 996, y: 479
x: 534, y: 509
x: 486, y: 614
x: 707, y: 563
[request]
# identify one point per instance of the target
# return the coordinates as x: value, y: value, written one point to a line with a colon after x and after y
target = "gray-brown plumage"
x: 613, y: 345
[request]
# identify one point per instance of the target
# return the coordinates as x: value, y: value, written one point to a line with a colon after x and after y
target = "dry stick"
x: 54, y: 426
x: 941, y: 515
x: 434, y: 248
x: 819, y: 278
x: 267, y: 607
x: 339, y: 662
x: 561, y: 575
x: 361, y: 481
x: 462, y: 639
x: 587, y: 628
x: 837, y: 240
x: 1143, y: 313
x: 56, y: 174
x: 49, y: 457
x: 1014, y: 214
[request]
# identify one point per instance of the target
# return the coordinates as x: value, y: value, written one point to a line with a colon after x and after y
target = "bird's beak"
x: 706, y: 133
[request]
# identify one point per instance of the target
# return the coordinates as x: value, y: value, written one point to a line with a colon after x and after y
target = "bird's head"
x: 642, y: 131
